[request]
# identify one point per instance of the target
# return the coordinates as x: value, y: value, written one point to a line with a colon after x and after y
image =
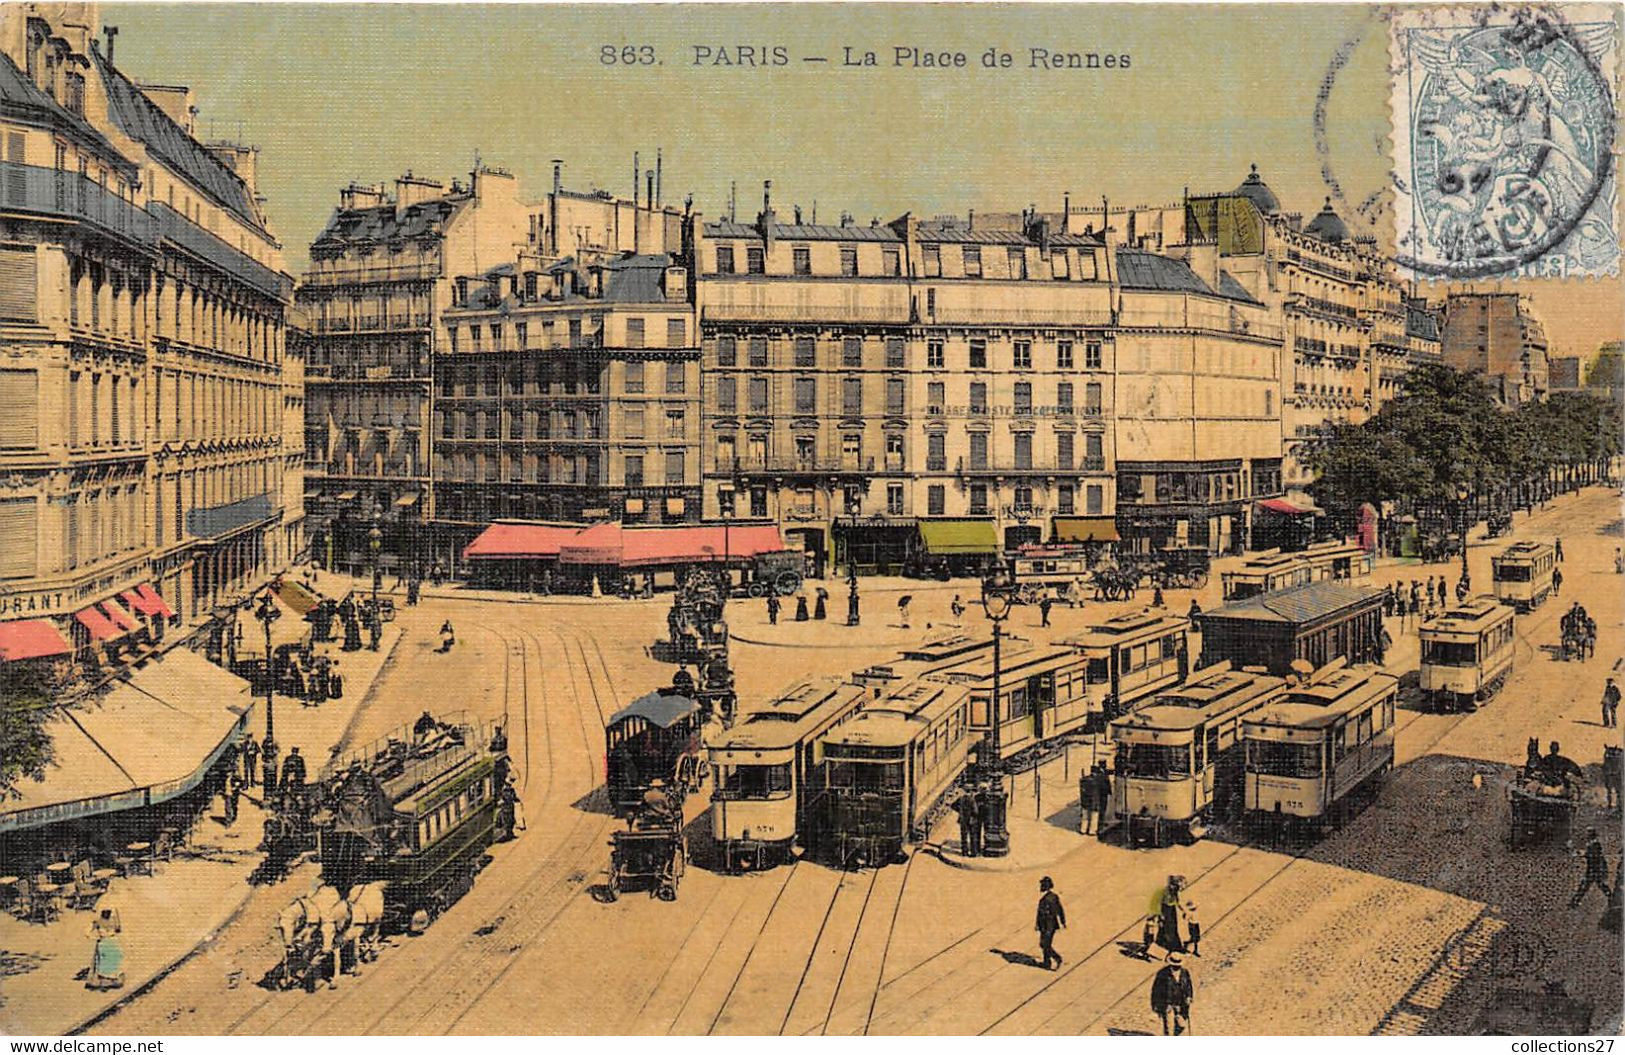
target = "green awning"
x: 1085, y: 529
x: 959, y: 538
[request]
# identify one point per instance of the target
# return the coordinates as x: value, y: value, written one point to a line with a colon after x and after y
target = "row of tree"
x: 1445, y: 436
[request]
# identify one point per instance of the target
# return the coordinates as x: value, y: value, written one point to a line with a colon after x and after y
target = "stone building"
x: 142, y: 310
x: 1498, y: 336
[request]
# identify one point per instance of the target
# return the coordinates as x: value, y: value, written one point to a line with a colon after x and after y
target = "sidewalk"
x: 186, y: 901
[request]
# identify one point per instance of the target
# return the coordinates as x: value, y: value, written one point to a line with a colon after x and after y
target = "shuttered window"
x: 19, y: 284
x: 19, y: 409
x: 19, y: 542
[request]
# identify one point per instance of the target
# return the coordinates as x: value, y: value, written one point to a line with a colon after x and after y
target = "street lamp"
x: 268, y: 613
x: 1461, y: 505
x: 852, y: 617
x: 995, y: 835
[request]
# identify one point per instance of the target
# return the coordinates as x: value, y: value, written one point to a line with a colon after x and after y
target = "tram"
x: 1179, y: 758
x: 1317, y: 624
x: 767, y: 768
x: 888, y: 769
x: 1043, y: 695
x: 1132, y: 656
x: 1321, y: 748
x: 1466, y: 654
x: 1522, y: 574
x: 1273, y: 570
x: 1337, y: 560
x: 656, y: 737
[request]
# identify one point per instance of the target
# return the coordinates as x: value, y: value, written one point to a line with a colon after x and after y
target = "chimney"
x: 111, y: 32
x: 765, y: 221
x: 636, y: 167
x: 558, y: 175
x: 798, y: 215
x: 243, y: 160
x: 649, y: 196
x: 410, y: 190
x: 733, y: 200
x: 357, y: 196
x: 658, y: 174
x: 1066, y: 212
x: 970, y: 222
x: 175, y: 100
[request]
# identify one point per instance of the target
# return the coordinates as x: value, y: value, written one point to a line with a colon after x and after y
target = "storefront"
x: 1284, y: 524
x: 521, y: 556
x: 955, y: 547
x: 877, y: 545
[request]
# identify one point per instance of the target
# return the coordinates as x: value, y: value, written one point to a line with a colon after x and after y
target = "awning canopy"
x: 514, y: 541
x: 148, y: 601
x: 301, y: 600
x: 675, y: 544
x: 97, y: 622
x: 959, y: 538
x: 1086, y: 529
x: 407, y: 499
x: 1289, y: 507
x: 122, y: 618
x: 146, y: 740
x: 662, y: 709
x: 31, y: 639
x: 290, y: 629
x: 344, y: 496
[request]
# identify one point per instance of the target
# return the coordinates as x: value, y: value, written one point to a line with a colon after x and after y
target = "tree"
x: 26, y: 696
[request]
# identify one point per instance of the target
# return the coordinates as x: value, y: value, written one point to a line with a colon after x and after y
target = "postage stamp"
x: 1504, y: 141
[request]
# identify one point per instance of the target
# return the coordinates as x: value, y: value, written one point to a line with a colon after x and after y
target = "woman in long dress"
x: 107, y: 951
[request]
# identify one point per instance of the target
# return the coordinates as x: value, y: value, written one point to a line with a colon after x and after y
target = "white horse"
x: 366, y: 904
x: 313, y: 928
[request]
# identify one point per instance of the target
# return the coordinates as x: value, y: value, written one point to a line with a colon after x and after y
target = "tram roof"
x: 786, y: 719
x: 1013, y: 664
x: 1470, y: 617
x: 1297, y: 604
x: 1145, y: 622
x: 1522, y: 551
x: 1205, y: 696
x: 1327, y: 699
x: 900, y: 716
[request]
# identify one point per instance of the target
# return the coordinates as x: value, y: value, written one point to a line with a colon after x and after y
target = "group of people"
x: 820, y: 606
x: 1579, y: 632
x: 1421, y: 598
x: 973, y: 809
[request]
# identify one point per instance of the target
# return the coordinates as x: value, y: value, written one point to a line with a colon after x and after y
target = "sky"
x: 338, y: 92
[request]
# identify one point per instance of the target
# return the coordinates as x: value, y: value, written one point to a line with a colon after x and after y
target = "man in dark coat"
x: 1102, y: 782
x: 1171, y: 993
x: 251, y: 757
x: 1610, y: 705
x: 1596, y: 869
x: 773, y: 609
x: 1051, y: 917
x: 229, y: 794
x: 965, y: 807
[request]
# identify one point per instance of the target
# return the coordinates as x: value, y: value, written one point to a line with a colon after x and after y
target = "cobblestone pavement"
x: 1413, y: 918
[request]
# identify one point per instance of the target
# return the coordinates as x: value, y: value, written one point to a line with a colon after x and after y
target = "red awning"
x: 521, y: 540
x: 31, y: 639
x: 146, y: 600
x: 121, y: 617
x: 1281, y: 505
x: 677, y: 544
x: 95, y: 620
x: 599, y: 544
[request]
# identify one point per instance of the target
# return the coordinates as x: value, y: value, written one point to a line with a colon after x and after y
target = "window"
x: 978, y: 397
x: 978, y: 450
x: 1061, y: 263
x: 852, y: 352
x: 676, y: 333
x: 1018, y: 263
x: 1091, y: 398
x: 634, y: 470
x: 801, y: 258
x: 674, y: 468
x: 1091, y: 355
x: 894, y: 499
x: 852, y: 449
x: 849, y: 261
x: 1093, y: 458
x: 806, y: 452
x: 931, y: 260
x: 1065, y: 501
x: 634, y: 333
x: 727, y: 395
x: 936, y: 452
x: 19, y: 270
x: 894, y: 450
x: 634, y: 377
x: 725, y: 259
x: 973, y: 261
x: 1094, y: 499
x: 933, y: 355
x: 19, y: 410
x: 806, y: 395
x: 894, y: 395
x: 1063, y: 355
x: 935, y: 397
x: 727, y: 352
x: 676, y: 425
x: 978, y: 355
x: 19, y: 538
x: 757, y: 351
x: 806, y: 353
x: 1063, y: 397
x: 892, y: 261
x: 753, y: 260
x: 1269, y: 403
x: 758, y: 395
x: 1023, y: 356
x: 1024, y: 450
x: 978, y: 500
x: 1064, y: 449
x: 521, y: 333
x: 936, y: 500
x: 676, y: 378
x: 758, y: 501
x: 894, y: 353
x: 852, y: 396
x: 1024, y: 397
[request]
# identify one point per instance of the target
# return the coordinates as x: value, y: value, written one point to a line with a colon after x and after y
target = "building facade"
x: 1498, y: 336
x: 142, y: 383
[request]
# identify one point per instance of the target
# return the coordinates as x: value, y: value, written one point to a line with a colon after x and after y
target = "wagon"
x: 1541, y: 812
x: 651, y: 852
x: 1182, y: 568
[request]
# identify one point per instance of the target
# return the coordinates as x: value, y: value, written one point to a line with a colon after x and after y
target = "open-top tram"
x: 1522, y: 574
x: 1466, y: 654
x: 1180, y: 758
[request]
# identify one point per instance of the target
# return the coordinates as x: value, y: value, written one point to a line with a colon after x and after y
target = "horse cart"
x: 651, y: 852
x: 1541, y: 812
x: 1183, y: 568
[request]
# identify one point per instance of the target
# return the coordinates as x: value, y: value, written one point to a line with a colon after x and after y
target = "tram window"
x: 1339, y: 743
x: 1170, y: 646
x: 1212, y: 744
x: 1016, y: 706
x: 1512, y: 573
x: 1388, y: 708
x: 1283, y: 760
x: 1125, y: 660
x: 1379, y: 717
x: 1363, y: 731
x: 1449, y: 653
x: 748, y: 782
x: 865, y: 776
x: 1097, y: 672
x: 1154, y: 761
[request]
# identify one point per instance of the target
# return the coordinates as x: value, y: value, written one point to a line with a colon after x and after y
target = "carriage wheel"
x: 1199, y: 580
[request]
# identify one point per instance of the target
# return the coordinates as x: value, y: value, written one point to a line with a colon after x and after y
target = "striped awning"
x: 31, y: 639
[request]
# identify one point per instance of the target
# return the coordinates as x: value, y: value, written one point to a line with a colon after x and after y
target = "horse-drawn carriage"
x: 1541, y: 812
x: 1182, y: 568
x: 653, y: 763
x: 1119, y: 581
x: 324, y: 936
x: 1579, y: 634
x: 652, y: 850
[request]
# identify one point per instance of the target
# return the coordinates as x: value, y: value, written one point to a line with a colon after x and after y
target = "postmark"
x: 1504, y: 134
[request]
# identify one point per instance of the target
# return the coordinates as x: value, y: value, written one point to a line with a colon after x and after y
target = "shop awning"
x: 407, y: 499
x: 299, y: 599
x: 97, y: 622
x: 31, y: 639
x: 1085, y: 529
x: 144, y: 741
x: 516, y: 541
x: 148, y: 601
x: 959, y: 538
x: 1289, y: 507
x: 120, y: 615
x: 676, y: 544
x: 344, y: 497
x: 289, y: 629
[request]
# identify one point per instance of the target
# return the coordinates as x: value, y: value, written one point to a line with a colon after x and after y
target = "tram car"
x: 656, y: 737
x: 1131, y: 657
x: 766, y: 770
x: 1180, y: 759
x: 1043, y: 694
x: 1316, y: 624
x: 1337, y: 560
x: 1265, y: 573
x: 1522, y: 574
x: 416, y: 811
x: 1312, y: 755
x: 888, y: 769
x: 1466, y: 654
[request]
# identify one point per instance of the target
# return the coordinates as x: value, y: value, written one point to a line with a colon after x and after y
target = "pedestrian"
x: 801, y: 608
x: 229, y: 794
x: 958, y: 609
x: 293, y: 773
x: 1194, y: 610
x: 1388, y: 600
x: 1156, y: 596
x: 375, y: 630
x: 1610, y: 705
x: 107, y: 951
x: 1086, y: 800
x: 1103, y: 798
x: 902, y: 610
x: 1075, y: 593
x: 1557, y: 582
x: 1558, y: 545
x: 1094, y: 791
x: 1044, y: 604
x: 1430, y: 593
x: 773, y: 609
x: 1441, y: 589
x: 1613, y: 768
x: 1051, y: 917
x: 448, y: 636
x: 1596, y: 874
x: 821, y: 604
x: 965, y: 807
x: 1171, y: 993
x: 251, y: 757
x: 1619, y: 561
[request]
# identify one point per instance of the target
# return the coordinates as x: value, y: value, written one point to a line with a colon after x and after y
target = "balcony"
x: 217, y: 521
x: 342, y: 275
x: 56, y: 192
x: 1083, y: 465
x: 216, y: 253
x: 373, y: 324
x: 1325, y: 307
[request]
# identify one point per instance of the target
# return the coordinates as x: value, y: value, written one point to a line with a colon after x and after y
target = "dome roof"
x: 1328, y: 226
x: 1255, y: 190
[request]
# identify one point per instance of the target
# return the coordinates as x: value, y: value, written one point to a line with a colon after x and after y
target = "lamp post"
x: 995, y: 834
x: 268, y: 613
x: 1461, y: 506
x: 852, y: 616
